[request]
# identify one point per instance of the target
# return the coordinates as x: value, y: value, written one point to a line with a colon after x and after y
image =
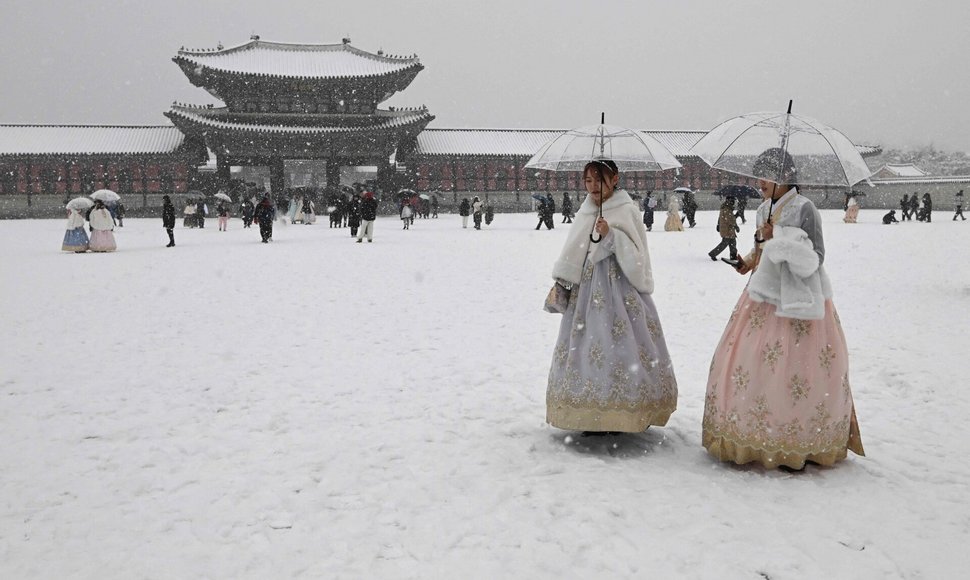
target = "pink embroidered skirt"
x: 103, y: 241
x: 778, y: 391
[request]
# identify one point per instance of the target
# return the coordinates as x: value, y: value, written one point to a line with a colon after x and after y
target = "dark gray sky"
x: 892, y: 72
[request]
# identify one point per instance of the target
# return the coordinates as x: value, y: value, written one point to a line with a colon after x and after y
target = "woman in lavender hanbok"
x: 102, y: 240
x: 75, y: 239
x: 611, y: 371
x: 778, y: 391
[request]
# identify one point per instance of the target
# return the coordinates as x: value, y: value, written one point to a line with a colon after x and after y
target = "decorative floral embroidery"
x: 741, y: 378
x: 771, y: 354
x: 578, y: 327
x: 846, y: 391
x: 801, y: 328
x: 597, y: 299
x: 826, y: 357
x: 614, y: 270
x: 588, y: 273
x: 619, y: 328
x: 632, y: 303
x: 799, y: 388
x: 654, y: 327
x: 758, y: 423
x: 820, y: 422
x: 596, y: 355
x: 646, y: 361
x: 758, y: 317
x: 560, y: 353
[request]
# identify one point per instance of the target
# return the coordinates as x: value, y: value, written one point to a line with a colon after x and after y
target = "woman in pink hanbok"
x: 102, y: 240
x: 778, y: 391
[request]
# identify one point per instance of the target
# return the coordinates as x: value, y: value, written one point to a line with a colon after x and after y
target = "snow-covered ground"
x: 316, y: 408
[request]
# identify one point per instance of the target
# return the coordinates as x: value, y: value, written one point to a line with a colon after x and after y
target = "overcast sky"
x: 892, y: 72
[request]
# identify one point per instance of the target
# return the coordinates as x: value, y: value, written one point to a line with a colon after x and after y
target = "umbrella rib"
x: 735, y: 140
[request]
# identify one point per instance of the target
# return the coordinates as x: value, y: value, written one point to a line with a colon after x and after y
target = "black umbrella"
x: 738, y: 191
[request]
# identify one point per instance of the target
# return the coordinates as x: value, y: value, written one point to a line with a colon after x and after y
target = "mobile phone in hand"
x: 735, y: 263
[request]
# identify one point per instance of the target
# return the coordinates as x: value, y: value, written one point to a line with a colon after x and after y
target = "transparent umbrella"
x: 223, y: 196
x: 821, y: 155
x: 630, y: 149
x: 80, y: 204
x: 105, y: 195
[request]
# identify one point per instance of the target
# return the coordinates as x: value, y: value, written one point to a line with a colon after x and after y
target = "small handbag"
x: 558, y: 299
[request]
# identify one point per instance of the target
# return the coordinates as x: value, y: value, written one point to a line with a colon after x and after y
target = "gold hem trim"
x: 572, y: 418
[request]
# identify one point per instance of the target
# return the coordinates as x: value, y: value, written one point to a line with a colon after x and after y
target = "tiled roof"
x: 208, y: 117
x: 279, y: 59
x: 88, y: 139
x: 925, y: 179
x: 901, y: 170
x: 525, y: 142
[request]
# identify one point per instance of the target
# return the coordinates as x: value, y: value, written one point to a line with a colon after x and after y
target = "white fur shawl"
x: 790, y: 277
x: 75, y: 220
x: 629, y: 241
x: 101, y: 220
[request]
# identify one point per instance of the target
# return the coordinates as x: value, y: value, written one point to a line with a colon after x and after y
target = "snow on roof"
x: 210, y: 118
x: 282, y: 59
x: 925, y: 179
x: 88, y: 139
x: 525, y: 142
x: 901, y: 170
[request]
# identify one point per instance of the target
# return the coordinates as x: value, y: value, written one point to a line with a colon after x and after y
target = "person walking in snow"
x: 489, y: 214
x: 406, y: 213
x: 368, y: 215
x: 477, y: 212
x: 904, y: 206
x: 201, y: 210
x: 649, y: 206
x: 247, y: 213
x: 611, y: 370
x: 464, y: 208
x: 102, y: 240
x: 567, y: 208
x: 120, y: 214
x: 222, y: 210
x: 673, y: 223
x: 778, y: 389
x: 690, y: 208
x: 959, y: 207
x: 353, y: 215
x: 168, y: 220
x: 434, y: 206
x: 264, y: 214
x: 742, y: 205
x: 727, y: 226
x: 75, y: 238
x: 550, y: 212
x: 927, y: 210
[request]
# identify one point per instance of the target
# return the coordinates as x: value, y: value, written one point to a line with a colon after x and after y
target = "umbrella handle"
x: 595, y: 240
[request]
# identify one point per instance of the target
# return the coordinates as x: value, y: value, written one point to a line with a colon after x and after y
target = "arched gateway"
x: 300, y: 101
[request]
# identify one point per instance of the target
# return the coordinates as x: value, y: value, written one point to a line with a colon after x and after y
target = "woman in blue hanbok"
x: 611, y: 371
x: 75, y: 239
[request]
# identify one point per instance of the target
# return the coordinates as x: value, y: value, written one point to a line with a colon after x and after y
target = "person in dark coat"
x: 489, y: 214
x: 550, y: 212
x: 307, y: 210
x: 567, y: 208
x: 168, y: 219
x: 927, y: 208
x: 914, y: 206
x: 742, y: 204
x: 890, y: 218
x: 265, y: 214
x: 247, y: 213
x: 368, y: 214
x: 200, y: 214
x: 690, y: 208
x: 477, y: 209
x: 120, y: 214
x: 541, y: 211
x: 649, y: 205
x: 959, y: 207
x: 434, y: 206
x: 904, y: 206
x: 353, y: 215
x: 727, y: 226
x: 464, y: 210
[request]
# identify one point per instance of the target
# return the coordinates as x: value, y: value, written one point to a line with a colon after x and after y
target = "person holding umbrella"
x: 778, y: 391
x: 75, y: 238
x: 851, y: 208
x: 673, y: 223
x: 611, y: 370
x: 168, y: 220
x: 102, y: 240
x: 649, y: 205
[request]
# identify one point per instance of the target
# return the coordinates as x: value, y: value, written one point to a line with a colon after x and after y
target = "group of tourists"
x: 478, y: 210
x: 778, y: 390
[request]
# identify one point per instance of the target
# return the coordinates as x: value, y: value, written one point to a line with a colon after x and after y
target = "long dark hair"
x: 776, y: 165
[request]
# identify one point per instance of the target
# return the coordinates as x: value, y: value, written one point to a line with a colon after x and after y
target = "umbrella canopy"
x: 223, y: 196
x: 738, y: 191
x: 631, y: 150
x: 820, y: 154
x: 105, y: 195
x: 194, y: 194
x: 538, y: 197
x: 684, y: 190
x: 424, y: 196
x: 80, y: 204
